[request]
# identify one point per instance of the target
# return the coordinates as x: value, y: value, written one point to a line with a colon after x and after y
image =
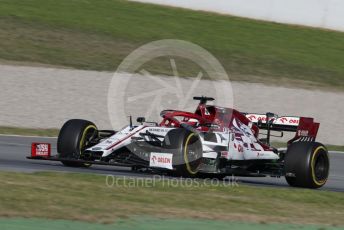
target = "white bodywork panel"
x: 239, y: 142
x: 124, y: 137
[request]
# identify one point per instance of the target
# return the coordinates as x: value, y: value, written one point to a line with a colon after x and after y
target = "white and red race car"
x: 213, y: 142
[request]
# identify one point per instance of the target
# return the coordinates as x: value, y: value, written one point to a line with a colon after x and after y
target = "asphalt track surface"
x: 14, y: 149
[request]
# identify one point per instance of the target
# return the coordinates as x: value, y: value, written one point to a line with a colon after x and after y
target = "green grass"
x: 28, y: 131
x: 86, y: 197
x: 98, y: 34
x: 329, y: 147
x: 335, y: 148
x: 151, y: 224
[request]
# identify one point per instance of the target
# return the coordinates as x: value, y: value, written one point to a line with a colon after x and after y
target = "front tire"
x: 187, y: 151
x: 307, y: 165
x: 74, y: 137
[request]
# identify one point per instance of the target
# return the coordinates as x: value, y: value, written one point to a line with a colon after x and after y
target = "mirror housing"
x: 141, y: 120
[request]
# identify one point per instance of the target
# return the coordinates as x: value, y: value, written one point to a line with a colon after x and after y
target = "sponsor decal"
x: 252, y: 117
x: 281, y: 120
x: 302, y: 133
x: 293, y: 121
x: 161, y: 160
x: 158, y: 130
x: 40, y: 150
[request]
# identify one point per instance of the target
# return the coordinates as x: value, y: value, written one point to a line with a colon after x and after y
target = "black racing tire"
x: 73, y: 139
x: 187, y: 151
x: 306, y: 165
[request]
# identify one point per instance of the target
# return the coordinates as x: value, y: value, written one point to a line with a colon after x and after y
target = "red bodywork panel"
x: 40, y: 150
x: 223, y: 118
x: 307, y: 129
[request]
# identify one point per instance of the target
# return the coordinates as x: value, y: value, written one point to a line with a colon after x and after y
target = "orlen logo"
x: 163, y: 160
x: 252, y: 117
x: 262, y: 118
x: 284, y: 120
x: 294, y: 121
x: 154, y: 159
x: 290, y: 121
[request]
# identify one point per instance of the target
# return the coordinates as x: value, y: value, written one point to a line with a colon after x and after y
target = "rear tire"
x: 73, y: 139
x: 187, y: 151
x: 307, y: 165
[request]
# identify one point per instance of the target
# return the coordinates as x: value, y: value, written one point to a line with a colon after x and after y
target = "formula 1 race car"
x: 212, y: 142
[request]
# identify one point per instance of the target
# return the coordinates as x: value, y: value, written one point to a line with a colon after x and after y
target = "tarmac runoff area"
x: 14, y: 149
x: 46, y: 97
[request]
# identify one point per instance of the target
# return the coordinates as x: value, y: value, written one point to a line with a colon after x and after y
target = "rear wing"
x: 304, y: 127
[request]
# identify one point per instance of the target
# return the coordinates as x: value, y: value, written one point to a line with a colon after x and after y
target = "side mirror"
x: 141, y: 120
